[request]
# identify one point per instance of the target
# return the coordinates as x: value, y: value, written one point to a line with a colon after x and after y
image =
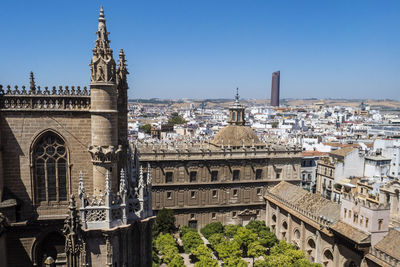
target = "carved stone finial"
x: 32, y: 84
x: 108, y: 187
x: 73, y: 235
x: 122, y: 184
x: 81, y: 188
x: 148, y: 174
x: 140, y: 177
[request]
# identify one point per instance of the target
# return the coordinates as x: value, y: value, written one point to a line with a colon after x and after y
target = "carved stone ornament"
x: 74, y: 243
x: 104, y: 154
x: 102, y: 66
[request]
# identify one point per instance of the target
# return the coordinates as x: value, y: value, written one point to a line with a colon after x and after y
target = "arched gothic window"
x: 50, y: 168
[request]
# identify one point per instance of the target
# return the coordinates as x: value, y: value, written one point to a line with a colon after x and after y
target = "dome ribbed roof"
x: 235, y: 135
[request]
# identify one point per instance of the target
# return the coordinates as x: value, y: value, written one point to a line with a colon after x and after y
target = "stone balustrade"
x: 384, y: 256
x: 36, y: 99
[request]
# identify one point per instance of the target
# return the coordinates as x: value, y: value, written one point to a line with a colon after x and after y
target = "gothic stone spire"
x: 103, y: 65
x: 122, y: 70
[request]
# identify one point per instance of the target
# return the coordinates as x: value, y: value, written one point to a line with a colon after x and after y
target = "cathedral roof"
x: 236, y: 135
x: 313, y: 203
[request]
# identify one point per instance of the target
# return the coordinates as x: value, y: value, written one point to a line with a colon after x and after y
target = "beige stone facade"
x: 223, y: 180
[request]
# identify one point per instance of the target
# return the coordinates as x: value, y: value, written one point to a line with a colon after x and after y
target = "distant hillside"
x: 383, y: 104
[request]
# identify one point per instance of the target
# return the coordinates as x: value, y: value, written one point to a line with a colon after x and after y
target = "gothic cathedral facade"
x: 72, y: 191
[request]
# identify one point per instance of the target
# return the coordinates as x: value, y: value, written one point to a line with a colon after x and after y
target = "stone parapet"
x: 61, y: 99
x: 162, y: 152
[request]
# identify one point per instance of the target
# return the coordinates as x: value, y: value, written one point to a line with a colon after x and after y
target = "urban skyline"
x: 205, y: 50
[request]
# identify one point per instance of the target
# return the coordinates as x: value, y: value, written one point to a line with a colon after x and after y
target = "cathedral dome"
x: 236, y: 135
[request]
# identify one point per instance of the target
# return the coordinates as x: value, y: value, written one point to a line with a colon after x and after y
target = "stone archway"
x: 48, y: 245
x: 311, y: 249
x: 296, y: 238
x: 327, y: 258
x: 284, y: 230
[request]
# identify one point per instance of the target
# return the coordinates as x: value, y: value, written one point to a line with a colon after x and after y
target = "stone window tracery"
x: 50, y: 168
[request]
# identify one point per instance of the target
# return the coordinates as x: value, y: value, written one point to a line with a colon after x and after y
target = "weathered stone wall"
x: 19, y: 130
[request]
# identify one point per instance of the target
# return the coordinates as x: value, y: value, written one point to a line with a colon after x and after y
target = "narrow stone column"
x: 289, y: 231
x: 302, y: 236
x: 318, y: 247
x: 336, y: 255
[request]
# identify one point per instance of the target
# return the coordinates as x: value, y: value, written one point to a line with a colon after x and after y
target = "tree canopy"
x: 164, y: 222
x: 175, y: 119
x: 145, y: 128
x: 212, y: 228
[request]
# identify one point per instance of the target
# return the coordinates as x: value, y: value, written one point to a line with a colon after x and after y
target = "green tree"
x: 228, y: 249
x: 212, y: 228
x: 191, y: 240
x: 201, y: 251
x: 216, y: 239
x: 176, y: 261
x: 267, y: 239
x: 145, y: 128
x: 235, y: 262
x: 185, y: 229
x: 176, y: 119
x: 274, y: 124
x: 164, y: 222
x: 156, y: 259
x: 206, y: 262
x: 257, y: 226
x: 244, y: 237
x: 166, y: 246
x: 164, y: 241
x: 255, y: 250
x: 285, y: 254
x: 231, y: 229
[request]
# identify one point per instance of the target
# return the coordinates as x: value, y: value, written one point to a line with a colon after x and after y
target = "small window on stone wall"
x: 168, y: 177
x: 236, y: 174
x: 380, y: 223
x: 235, y: 192
x: 214, y: 215
x: 169, y: 195
x: 214, y: 176
x: 258, y: 174
x: 193, y: 176
x: 214, y: 193
x: 234, y: 214
x: 193, y: 194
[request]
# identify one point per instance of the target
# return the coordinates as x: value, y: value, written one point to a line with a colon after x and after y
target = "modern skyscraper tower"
x: 275, y: 87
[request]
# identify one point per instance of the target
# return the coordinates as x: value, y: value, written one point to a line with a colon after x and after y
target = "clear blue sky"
x: 206, y: 48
